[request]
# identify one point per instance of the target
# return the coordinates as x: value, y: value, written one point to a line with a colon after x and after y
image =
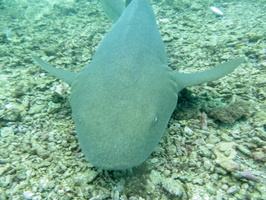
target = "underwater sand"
x: 215, y: 143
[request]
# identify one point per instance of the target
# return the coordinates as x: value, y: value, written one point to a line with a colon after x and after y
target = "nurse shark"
x: 122, y: 101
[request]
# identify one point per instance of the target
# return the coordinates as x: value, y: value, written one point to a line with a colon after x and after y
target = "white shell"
x: 217, y: 10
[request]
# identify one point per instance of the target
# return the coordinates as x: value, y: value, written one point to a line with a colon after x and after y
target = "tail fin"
x: 66, y: 76
x: 186, y: 80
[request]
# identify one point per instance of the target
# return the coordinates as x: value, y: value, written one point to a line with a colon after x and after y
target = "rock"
x: 259, y: 156
x: 173, y: 187
x: 254, y: 37
x: 228, y: 165
x: 211, y: 189
x: 244, y: 150
x: 28, y: 194
x: 12, y: 114
x: 7, y: 132
x: 198, y: 181
x: 155, y: 177
x: 42, y: 153
x: 213, y: 139
x: 188, y: 131
x: 233, y: 189
x: 225, y: 137
x: 154, y: 160
x: 225, y: 149
x: 91, y: 175
x: 225, y: 153
x: 171, y: 150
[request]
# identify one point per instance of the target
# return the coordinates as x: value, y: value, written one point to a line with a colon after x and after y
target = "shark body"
x: 122, y: 101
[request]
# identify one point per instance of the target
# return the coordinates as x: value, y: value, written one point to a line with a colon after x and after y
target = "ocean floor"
x: 215, y: 143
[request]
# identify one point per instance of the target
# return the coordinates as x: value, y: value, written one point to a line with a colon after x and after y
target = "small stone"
x: 244, y: 150
x: 42, y: 153
x: 173, y: 187
x: 224, y: 187
x: 91, y: 175
x: 154, y: 160
x: 259, y: 156
x: 198, y: 181
x: 44, y: 164
x: 232, y: 189
x: 44, y: 184
x: 214, y: 139
x: 60, y: 192
x: 204, y: 151
x: 207, y: 164
x: 155, y: 177
x: 228, y: 165
x: 171, y: 150
x: 13, y: 113
x: 28, y: 194
x: 225, y: 150
x: 254, y: 37
x: 7, y: 132
x: 166, y: 173
x: 226, y: 138
x: 220, y: 171
x: 188, y: 131
x: 196, y: 6
x: 37, y: 197
x: 21, y: 174
x: 211, y: 189
x: 167, y: 38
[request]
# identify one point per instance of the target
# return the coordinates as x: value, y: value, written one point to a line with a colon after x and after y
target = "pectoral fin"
x: 66, y: 76
x: 186, y: 80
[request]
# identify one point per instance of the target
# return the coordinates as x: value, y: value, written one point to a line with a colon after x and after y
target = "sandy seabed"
x: 215, y: 143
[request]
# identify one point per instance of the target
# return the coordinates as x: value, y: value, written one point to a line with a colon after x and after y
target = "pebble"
x: 38, y: 197
x: 90, y: 175
x: 232, y: 189
x: 13, y: 113
x: 166, y: 173
x: 7, y: 131
x: 167, y: 38
x: 198, y: 181
x: 204, y: 151
x: 226, y: 138
x: 213, y: 139
x: 60, y: 192
x: 154, y: 160
x: 44, y: 184
x: 211, y: 189
x: 173, y: 187
x: 244, y: 150
x: 171, y: 149
x: 28, y: 194
x: 224, y: 187
x: 228, y: 165
x: 42, y: 152
x: 188, y: 131
x: 155, y: 177
x: 207, y: 164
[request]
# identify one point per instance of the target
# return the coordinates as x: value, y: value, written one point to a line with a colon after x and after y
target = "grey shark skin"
x: 122, y: 101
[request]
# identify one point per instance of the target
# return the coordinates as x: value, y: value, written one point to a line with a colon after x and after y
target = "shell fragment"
x: 217, y: 10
